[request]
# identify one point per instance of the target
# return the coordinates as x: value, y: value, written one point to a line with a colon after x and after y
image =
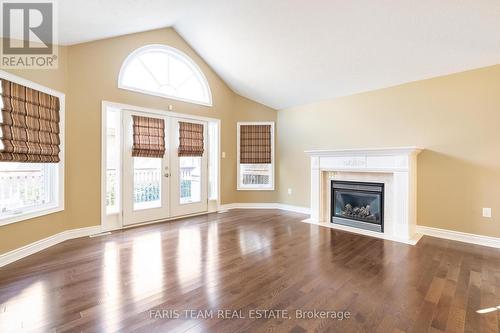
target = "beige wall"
x: 88, y: 75
x: 455, y: 118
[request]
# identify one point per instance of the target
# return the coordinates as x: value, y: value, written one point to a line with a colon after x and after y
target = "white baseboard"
x: 290, y: 208
x: 459, y: 236
x: 296, y: 209
x: 42, y: 244
x: 422, y: 230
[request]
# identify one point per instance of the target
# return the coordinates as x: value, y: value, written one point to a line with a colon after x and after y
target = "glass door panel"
x: 189, y: 175
x: 190, y: 179
x: 145, y: 179
x: 147, y: 183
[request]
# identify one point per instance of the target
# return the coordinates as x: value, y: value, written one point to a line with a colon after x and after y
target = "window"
x: 27, y: 187
x: 163, y: 71
x: 147, y: 182
x: 112, y: 160
x: 213, y: 159
x: 255, y: 155
x: 31, y: 189
x: 190, y: 151
x: 190, y: 179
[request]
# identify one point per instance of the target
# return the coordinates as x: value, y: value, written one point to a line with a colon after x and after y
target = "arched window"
x: 163, y: 71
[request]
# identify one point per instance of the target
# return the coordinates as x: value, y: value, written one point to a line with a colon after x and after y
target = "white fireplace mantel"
x: 395, y: 167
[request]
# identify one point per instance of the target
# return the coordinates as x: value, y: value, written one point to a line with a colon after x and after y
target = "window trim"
x: 59, y: 206
x: 179, y: 53
x: 213, y: 159
x: 104, y: 165
x: 239, y: 187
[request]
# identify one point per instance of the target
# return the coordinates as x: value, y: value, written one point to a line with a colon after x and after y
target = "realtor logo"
x: 28, y: 31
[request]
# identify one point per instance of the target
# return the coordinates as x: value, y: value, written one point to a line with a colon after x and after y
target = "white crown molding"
x: 459, y: 236
x: 42, y: 244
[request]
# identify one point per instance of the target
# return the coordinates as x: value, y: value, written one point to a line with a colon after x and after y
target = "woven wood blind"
x: 149, y: 137
x: 29, y: 125
x: 190, y: 139
x: 255, y: 144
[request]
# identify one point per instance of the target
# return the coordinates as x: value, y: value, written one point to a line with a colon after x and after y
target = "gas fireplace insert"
x: 358, y: 204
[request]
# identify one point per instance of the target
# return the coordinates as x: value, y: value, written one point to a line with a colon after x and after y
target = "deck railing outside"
x: 21, y: 189
x: 255, y: 174
x: 147, y: 185
x: 111, y: 187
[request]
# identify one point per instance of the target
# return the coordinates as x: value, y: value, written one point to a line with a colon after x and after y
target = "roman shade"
x: 29, y: 125
x: 149, y: 137
x: 255, y: 144
x: 190, y: 139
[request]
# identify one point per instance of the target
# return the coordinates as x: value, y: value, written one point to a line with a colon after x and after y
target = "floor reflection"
x: 26, y: 311
x: 188, y: 257
x: 251, y: 241
x: 212, y: 264
x: 147, y: 266
x: 111, y: 293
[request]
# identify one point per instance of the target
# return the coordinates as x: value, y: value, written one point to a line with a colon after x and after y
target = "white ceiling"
x: 284, y: 53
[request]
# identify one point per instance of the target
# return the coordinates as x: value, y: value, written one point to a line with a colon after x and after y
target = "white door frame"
x: 115, y: 221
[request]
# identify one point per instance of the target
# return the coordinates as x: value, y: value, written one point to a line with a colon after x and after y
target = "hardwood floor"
x: 248, y: 260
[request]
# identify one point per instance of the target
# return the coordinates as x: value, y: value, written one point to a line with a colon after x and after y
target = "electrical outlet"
x: 289, y: 191
x: 486, y: 212
x: 223, y: 154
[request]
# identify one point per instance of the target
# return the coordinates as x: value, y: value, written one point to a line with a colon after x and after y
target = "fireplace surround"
x: 358, y: 204
x: 395, y: 168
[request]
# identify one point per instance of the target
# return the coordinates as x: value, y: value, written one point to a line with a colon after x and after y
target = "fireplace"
x: 396, y: 168
x: 358, y: 204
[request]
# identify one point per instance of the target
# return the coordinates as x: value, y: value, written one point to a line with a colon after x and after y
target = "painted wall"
x: 455, y: 118
x: 88, y: 75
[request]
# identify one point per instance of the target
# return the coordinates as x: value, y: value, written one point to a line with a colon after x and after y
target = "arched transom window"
x: 163, y: 71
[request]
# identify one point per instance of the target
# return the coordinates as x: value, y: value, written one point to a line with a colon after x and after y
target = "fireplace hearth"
x: 358, y: 204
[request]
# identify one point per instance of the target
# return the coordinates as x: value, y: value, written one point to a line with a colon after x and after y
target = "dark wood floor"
x: 248, y: 260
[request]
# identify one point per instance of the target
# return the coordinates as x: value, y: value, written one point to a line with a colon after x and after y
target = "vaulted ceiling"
x: 284, y: 53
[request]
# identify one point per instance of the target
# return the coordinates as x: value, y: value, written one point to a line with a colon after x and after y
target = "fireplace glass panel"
x: 361, y: 206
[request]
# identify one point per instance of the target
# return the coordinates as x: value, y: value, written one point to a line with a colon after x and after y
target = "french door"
x: 145, y: 179
x: 160, y: 188
x: 189, y: 174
